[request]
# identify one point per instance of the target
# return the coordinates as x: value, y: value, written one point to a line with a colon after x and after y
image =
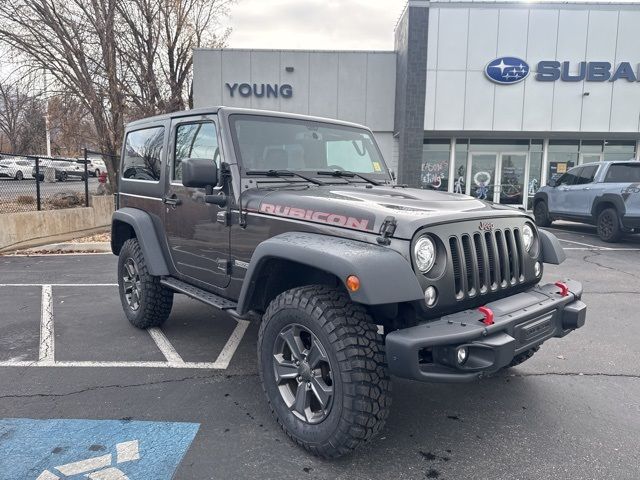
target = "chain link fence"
x: 30, y: 182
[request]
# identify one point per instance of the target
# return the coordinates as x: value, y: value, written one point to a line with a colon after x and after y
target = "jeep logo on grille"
x: 485, y: 226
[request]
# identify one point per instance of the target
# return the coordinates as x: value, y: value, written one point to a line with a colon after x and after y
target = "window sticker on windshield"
x: 377, y: 167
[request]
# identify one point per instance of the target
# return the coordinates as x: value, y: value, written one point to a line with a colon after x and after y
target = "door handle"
x: 173, y: 200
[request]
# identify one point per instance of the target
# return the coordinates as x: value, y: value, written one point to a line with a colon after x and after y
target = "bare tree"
x: 21, y: 114
x: 121, y: 58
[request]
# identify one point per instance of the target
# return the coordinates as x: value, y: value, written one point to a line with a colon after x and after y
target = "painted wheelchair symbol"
x: 98, y: 468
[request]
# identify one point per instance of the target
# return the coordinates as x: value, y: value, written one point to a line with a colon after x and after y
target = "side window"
x: 586, y: 175
x: 623, y: 173
x: 143, y: 154
x: 569, y: 178
x: 194, y: 140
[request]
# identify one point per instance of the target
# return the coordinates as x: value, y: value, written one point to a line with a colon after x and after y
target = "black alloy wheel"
x: 131, y: 284
x: 609, y: 229
x: 303, y: 373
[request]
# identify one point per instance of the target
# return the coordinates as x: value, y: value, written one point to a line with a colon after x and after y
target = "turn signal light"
x: 488, y: 315
x: 353, y: 283
x: 564, y: 289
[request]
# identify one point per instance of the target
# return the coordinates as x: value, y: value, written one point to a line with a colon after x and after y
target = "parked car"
x: 64, y: 169
x: 295, y: 222
x: 95, y: 166
x: 604, y: 194
x: 14, y: 167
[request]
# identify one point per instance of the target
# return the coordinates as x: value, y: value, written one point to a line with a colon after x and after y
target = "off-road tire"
x: 609, y: 228
x: 541, y: 214
x: 155, y: 300
x: 523, y: 357
x: 19, y: 175
x: 63, y: 176
x: 356, y: 351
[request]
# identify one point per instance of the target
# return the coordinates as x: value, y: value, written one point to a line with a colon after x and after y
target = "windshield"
x: 272, y: 143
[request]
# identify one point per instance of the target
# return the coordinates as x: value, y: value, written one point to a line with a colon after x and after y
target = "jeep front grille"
x: 486, y: 262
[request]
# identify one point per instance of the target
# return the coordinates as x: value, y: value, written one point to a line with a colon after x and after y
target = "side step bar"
x: 199, y: 294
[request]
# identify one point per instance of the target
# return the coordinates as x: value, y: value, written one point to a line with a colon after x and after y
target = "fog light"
x: 461, y: 355
x: 430, y: 296
x: 536, y: 269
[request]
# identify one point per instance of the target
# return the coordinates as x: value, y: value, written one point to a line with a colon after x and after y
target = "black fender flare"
x: 385, y: 275
x: 613, y: 198
x: 552, y: 251
x: 146, y: 235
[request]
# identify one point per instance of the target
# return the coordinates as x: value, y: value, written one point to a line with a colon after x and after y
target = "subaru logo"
x: 506, y: 70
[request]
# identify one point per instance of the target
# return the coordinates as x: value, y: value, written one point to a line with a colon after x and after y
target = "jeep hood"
x: 365, y: 209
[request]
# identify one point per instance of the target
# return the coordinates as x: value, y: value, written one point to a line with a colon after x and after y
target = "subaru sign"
x: 507, y: 70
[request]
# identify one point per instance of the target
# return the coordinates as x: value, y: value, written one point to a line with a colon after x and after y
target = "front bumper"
x: 523, y: 321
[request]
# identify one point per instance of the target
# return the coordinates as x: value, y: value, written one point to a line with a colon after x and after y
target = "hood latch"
x: 387, y: 229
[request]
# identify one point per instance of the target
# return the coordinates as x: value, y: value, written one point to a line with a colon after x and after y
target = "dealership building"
x: 487, y: 99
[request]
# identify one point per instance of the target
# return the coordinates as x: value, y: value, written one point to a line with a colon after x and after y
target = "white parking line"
x: 165, y: 346
x: 47, y: 339
x: 59, y: 284
x: 232, y: 344
x: 116, y: 364
x: 584, y: 244
x: 46, y: 356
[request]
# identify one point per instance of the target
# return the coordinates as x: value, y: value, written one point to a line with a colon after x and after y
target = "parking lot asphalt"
x: 572, y: 411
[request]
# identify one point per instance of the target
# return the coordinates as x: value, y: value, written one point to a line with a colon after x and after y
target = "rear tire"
x: 145, y: 302
x: 63, y: 176
x: 541, y: 214
x: 19, y: 175
x: 609, y: 228
x: 339, y: 353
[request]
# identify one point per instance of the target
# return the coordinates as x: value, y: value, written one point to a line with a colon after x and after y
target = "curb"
x: 67, y: 247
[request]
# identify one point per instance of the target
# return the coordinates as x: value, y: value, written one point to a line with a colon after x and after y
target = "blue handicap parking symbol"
x: 92, y: 449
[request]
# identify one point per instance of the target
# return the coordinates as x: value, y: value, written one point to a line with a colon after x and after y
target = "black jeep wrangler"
x: 354, y: 278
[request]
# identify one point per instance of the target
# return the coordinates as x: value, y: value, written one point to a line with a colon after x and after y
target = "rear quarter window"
x: 143, y: 154
x: 623, y: 173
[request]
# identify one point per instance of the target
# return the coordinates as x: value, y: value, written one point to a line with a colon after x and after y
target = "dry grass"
x: 25, y: 200
x: 98, y: 237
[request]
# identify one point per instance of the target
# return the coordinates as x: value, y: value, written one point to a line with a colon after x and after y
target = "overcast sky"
x: 314, y: 24
x: 319, y: 24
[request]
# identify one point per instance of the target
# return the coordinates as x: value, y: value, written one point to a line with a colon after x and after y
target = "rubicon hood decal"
x: 324, y: 217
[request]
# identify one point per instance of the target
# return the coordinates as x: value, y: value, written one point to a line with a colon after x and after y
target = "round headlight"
x: 527, y: 237
x: 424, y: 252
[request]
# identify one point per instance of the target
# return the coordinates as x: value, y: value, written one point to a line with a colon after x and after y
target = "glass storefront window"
x: 563, y: 154
x: 435, y: 164
x: 460, y: 169
x: 619, y: 150
x: 535, y: 173
x: 491, y: 145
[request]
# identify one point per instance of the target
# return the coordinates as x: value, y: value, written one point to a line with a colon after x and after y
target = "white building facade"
x: 488, y: 99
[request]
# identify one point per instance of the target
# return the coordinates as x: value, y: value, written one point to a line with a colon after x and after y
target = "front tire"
x: 19, y: 175
x: 337, y: 395
x: 541, y: 214
x: 145, y: 301
x: 609, y: 229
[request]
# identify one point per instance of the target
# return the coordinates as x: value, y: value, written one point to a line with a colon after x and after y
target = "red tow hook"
x: 564, y: 289
x: 488, y: 315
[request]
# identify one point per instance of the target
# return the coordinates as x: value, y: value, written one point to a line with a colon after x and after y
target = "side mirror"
x: 552, y: 182
x: 199, y: 172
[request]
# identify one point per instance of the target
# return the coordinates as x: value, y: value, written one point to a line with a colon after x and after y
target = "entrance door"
x: 198, y: 242
x: 513, y: 167
x: 481, y: 176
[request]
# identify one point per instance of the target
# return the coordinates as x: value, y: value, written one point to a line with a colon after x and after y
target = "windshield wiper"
x: 284, y: 173
x: 347, y: 173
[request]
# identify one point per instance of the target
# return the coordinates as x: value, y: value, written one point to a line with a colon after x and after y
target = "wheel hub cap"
x: 303, y: 373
